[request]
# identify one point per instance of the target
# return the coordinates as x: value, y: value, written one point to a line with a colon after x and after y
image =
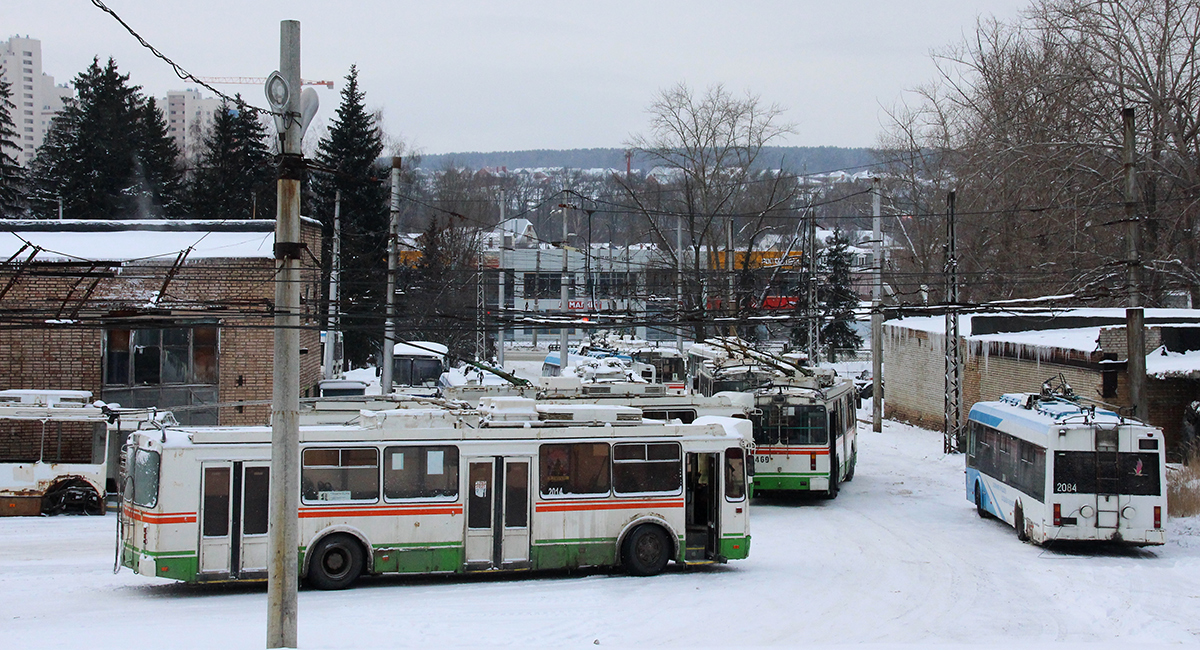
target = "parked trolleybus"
x: 1056, y: 469
x: 805, y: 434
x: 60, y: 450
x: 532, y: 486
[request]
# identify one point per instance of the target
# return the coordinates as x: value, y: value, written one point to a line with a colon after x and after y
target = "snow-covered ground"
x: 899, y: 558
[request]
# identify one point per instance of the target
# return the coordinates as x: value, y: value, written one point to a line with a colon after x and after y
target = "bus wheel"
x: 834, y: 470
x: 646, y: 551
x: 853, y: 462
x: 74, y: 496
x: 1019, y: 522
x: 983, y: 513
x: 336, y: 563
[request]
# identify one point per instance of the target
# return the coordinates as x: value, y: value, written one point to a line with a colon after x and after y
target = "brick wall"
x: 56, y: 314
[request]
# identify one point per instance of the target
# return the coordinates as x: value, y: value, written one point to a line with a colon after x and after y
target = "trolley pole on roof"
x: 1135, y: 317
x: 877, y: 311
x: 292, y: 110
x: 953, y: 402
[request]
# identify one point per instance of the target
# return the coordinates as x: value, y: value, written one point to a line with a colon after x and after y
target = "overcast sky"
x: 538, y: 74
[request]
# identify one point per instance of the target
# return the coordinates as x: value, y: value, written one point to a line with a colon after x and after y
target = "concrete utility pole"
x: 389, y: 327
x: 877, y: 311
x: 335, y: 271
x: 562, y: 338
x: 1135, y: 317
x: 283, y: 539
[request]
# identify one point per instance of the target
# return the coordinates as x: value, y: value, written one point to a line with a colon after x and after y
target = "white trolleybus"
x: 805, y: 434
x: 1056, y: 469
x: 532, y: 486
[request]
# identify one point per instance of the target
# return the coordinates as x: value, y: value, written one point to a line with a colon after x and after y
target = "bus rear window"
x: 574, y: 469
x: 146, y: 465
x: 1134, y: 474
x: 340, y: 475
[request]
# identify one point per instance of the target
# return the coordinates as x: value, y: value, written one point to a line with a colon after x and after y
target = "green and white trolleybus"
x: 805, y: 434
x: 514, y: 485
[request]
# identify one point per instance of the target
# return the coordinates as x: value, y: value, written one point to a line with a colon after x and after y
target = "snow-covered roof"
x: 151, y: 239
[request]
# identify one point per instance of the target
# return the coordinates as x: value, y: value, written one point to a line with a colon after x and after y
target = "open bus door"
x: 497, y: 513
x: 233, y: 519
x: 703, y: 506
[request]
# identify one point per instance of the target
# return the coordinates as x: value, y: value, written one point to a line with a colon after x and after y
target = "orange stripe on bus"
x: 377, y: 512
x: 574, y: 506
x: 161, y: 518
x: 792, y: 452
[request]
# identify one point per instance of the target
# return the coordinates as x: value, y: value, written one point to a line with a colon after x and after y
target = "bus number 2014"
x: 1066, y: 487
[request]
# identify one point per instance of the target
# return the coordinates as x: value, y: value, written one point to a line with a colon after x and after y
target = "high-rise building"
x: 34, y: 96
x: 188, y: 116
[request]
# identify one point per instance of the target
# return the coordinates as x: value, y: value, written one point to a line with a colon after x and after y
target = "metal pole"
x: 331, y: 328
x: 562, y: 337
x: 877, y: 311
x: 283, y: 537
x: 389, y: 327
x: 952, y: 419
x: 679, y: 282
x: 500, y: 306
x: 1135, y: 321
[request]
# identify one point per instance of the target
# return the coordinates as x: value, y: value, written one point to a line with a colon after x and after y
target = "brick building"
x: 1015, y: 353
x: 172, y: 314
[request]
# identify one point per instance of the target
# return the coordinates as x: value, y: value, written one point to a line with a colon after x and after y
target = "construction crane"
x: 259, y: 80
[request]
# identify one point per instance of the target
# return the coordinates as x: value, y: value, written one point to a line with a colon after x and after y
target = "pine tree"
x: 234, y: 178
x: 12, y: 177
x: 352, y: 148
x: 839, y: 297
x: 107, y: 154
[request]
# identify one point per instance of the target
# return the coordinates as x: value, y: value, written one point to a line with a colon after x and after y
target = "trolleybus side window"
x: 647, y: 467
x: 575, y: 469
x: 145, y: 477
x: 735, y: 474
x: 686, y: 416
x: 1136, y: 473
x: 420, y: 472
x: 340, y: 475
x: 1013, y: 461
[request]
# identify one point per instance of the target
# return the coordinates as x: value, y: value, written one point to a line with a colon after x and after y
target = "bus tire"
x: 1019, y: 522
x: 983, y: 513
x: 646, y: 550
x: 834, y: 470
x: 336, y: 562
x: 72, y: 496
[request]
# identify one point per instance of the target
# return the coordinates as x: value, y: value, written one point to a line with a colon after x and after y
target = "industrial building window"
x: 151, y: 357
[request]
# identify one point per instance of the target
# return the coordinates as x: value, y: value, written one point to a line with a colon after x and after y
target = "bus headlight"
x: 1087, y: 512
x: 1128, y: 512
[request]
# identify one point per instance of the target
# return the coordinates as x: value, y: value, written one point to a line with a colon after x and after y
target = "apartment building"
x: 35, y: 97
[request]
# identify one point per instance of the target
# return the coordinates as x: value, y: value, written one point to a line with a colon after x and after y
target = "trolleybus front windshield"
x: 790, y: 424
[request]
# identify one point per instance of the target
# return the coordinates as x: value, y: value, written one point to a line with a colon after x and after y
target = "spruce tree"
x: 107, y: 154
x: 234, y: 178
x: 12, y: 177
x: 352, y: 148
x: 839, y: 297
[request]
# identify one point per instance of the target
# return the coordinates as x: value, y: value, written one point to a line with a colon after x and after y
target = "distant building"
x: 189, y: 115
x: 34, y: 96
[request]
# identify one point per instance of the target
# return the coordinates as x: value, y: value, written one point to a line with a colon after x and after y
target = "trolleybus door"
x: 233, y: 519
x: 703, y: 503
x: 497, y: 512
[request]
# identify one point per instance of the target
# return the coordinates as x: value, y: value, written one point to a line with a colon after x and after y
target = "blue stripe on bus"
x: 986, y: 418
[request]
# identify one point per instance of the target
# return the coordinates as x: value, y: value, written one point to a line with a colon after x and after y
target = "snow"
x: 899, y: 559
x: 1083, y: 339
x: 138, y: 245
x: 1164, y: 364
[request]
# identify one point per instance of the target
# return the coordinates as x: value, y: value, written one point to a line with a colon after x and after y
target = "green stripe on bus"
x: 580, y: 540
x: 575, y: 553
